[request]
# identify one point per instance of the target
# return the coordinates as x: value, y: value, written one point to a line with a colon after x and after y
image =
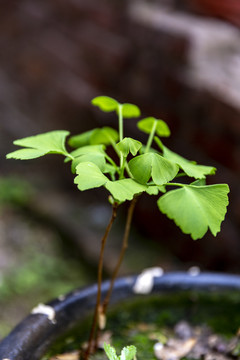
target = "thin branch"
x: 100, y: 269
x: 122, y: 253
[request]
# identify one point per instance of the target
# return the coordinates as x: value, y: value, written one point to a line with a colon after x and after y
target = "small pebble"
x: 194, y: 271
x: 183, y: 330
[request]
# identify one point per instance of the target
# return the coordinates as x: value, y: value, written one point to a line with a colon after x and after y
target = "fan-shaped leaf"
x: 190, y: 168
x: 89, y: 176
x: 124, y: 189
x: 196, y: 208
x: 199, y: 182
x: 86, y: 150
x: 109, y: 169
x: 128, y: 353
x: 152, y: 165
x: 154, y: 189
x: 79, y: 140
x: 39, y: 145
x: 129, y: 145
x: 105, y: 103
x: 105, y: 135
x: 147, y: 124
x: 26, y: 154
x: 110, y: 352
x: 95, y: 157
x: 130, y: 111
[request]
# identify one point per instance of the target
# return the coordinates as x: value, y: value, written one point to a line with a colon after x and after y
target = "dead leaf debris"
x: 197, y: 343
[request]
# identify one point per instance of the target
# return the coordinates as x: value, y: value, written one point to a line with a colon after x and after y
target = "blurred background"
x: 176, y: 60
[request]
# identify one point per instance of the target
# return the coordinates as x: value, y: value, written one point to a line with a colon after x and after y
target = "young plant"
x: 127, y: 353
x: 134, y: 169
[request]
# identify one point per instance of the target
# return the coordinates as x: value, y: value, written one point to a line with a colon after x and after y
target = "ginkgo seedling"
x: 127, y: 353
x: 135, y: 168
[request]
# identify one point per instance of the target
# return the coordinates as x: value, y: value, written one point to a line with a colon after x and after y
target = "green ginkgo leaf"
x: 154, y: 189
x: 105, y: 103
x: 150, y: 164
x: 128, y: 145
x: 39, y: 145
x: 124, y: 189
x: 80, y: 140
x: 146, y: 125
x: 130, y: 111
x: 110, y: 352
x: 95, y: 157
x: 86, y: 150
x: 199, y: 182
x: 109, y: 169
x: 105, y: 135
x: 196, y: 208
x: 190, y: 168
x: 89, y: 176
x: 26, y: 154
x: 128, y: 353
x: 108, y: 104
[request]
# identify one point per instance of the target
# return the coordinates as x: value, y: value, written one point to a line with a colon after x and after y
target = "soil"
x: 172, y: 327
x: 186, y: 342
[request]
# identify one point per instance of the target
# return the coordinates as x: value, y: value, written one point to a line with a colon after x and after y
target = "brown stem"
x: 100, y: 269
x: 122, y: 253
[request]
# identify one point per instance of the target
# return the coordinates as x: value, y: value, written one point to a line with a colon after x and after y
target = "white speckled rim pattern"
x: 34, y: 335
x: 145, y: 281
x: 45, y: 310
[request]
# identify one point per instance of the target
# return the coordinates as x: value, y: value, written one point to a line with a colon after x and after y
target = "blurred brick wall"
x: 56, y: 56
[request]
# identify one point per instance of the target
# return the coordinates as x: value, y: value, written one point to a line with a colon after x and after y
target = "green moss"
x: 157, y: 317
